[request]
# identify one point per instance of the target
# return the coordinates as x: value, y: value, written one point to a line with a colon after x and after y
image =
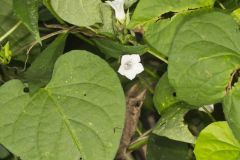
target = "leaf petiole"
x: 157, y: 56
x: 209, y: 114
x: 221, y: 5
x: 10, y: 31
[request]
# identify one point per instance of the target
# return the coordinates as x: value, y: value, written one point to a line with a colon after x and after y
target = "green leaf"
x: 82, y: 13
x: 205, y: 52
x: 172, y: 125
x: 27, y: 11
x: 107, y: 16
x: 116, y: 49
x: 5, y: 54
x: 160, y: 35
x: 232, y: 109
x: 160, y: 148
x: 216, y: 142
x: 74, y: 116
x: 150, y: 10
x: 164, y: 95
x: 20, y: 37
x: 40, y: 72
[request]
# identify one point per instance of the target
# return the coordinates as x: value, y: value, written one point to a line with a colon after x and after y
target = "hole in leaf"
x: 84, y: 94
x: 26, y: 90
x: 233, y: 79
x: 196, y: 121
x: 139, y: 36
x: 174, y: 94
x: 167, y: 15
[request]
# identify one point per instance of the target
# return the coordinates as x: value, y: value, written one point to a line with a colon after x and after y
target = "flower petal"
x: 125, y: 58
x: 111, y: 3
x: 118, y: 6
x: 138, y: 68
x: 135, y: 58
x: 130, y: 74
x: 122, y: 70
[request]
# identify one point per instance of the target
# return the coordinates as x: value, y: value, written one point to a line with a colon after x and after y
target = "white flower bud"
x: 118, y: 6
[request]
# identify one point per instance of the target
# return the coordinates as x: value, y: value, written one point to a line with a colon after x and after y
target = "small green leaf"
x: 116, y: 49
x: 5, y: 54
x: 172, y: 125
x: 74, y: 116
x: 216, y: 142
x: 107, y: 16
x: 232, y: 109
x: 82, y: 13
x: 150, y: 10
x: 164, y: 95
x: 204, y: 54
x: 236, y: 15
x: 161, y: 148
x: 40, y: 72
x: 27, y: 11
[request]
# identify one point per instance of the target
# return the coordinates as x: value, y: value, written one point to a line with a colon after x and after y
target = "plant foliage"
x: 62, y: 98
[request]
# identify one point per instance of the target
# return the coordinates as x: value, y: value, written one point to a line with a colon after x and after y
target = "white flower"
x: 130, y: 66
x: 209, y: 108
x: 118, y: 6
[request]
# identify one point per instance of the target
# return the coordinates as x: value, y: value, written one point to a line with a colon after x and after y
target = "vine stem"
x: 209, y: 114
x: 140, y: 141
x: 10, y: 31
x: 157, y: 56
x: 36, y: 42
x: 221, y: 5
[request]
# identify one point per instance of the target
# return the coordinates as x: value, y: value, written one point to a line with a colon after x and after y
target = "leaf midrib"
x: 67, y: 124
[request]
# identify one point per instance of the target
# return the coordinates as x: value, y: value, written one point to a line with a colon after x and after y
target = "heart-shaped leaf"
x: 216, y: 142
x: 204, y: 54
x: 78, y: 115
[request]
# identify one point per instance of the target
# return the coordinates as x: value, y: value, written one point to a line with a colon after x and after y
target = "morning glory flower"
x: 130, y: 66
x: 118, y: 6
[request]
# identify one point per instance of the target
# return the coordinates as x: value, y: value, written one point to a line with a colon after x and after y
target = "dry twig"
x: 135, y: 99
